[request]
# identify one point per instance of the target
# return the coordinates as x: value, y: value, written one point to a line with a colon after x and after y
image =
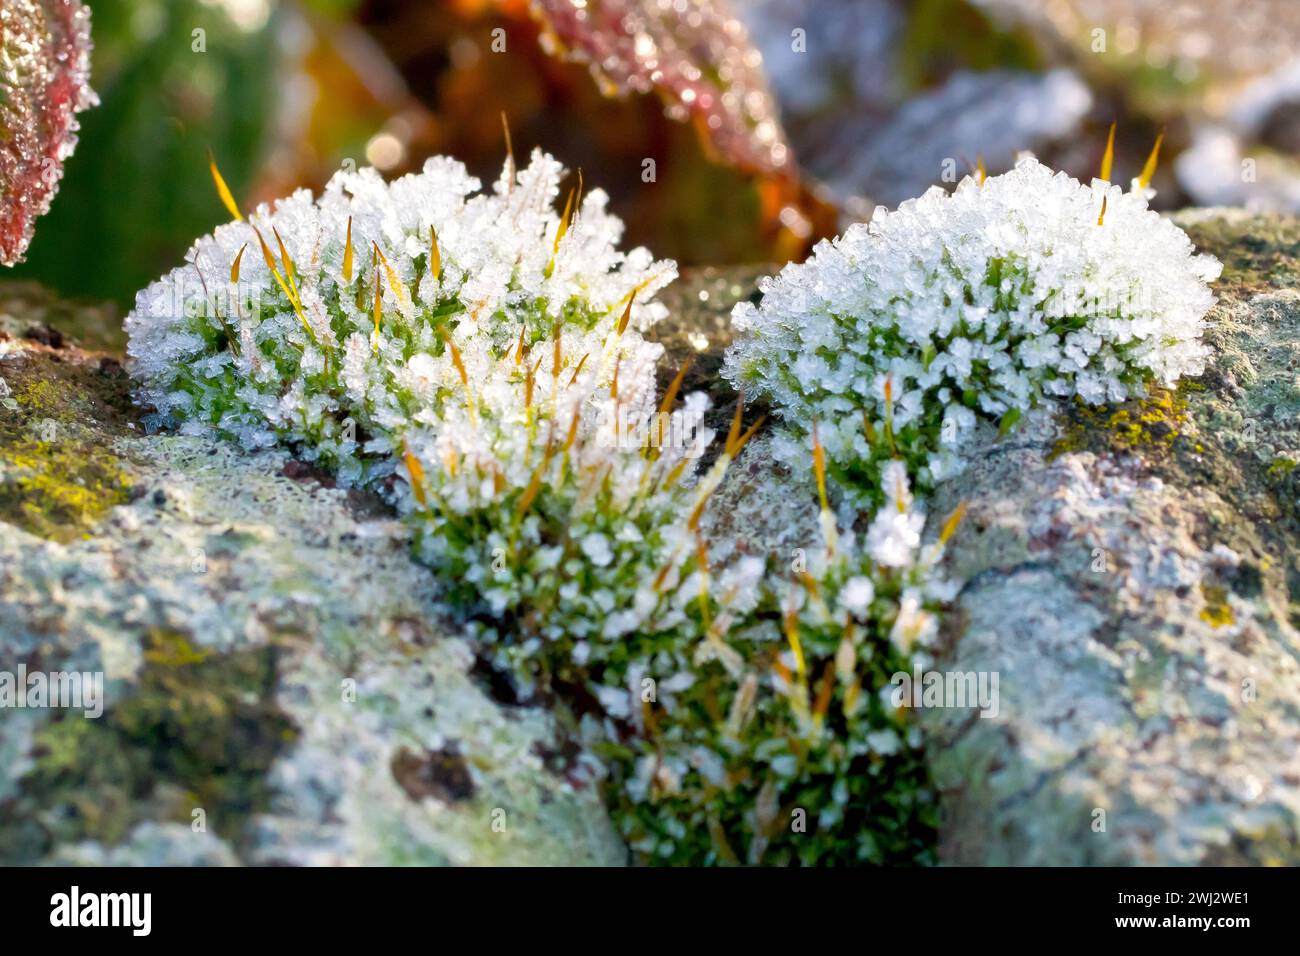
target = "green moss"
x: 58, y: 476
x: 198, y: 729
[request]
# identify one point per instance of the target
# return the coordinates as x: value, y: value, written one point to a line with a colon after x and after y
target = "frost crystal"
x: 44, y: 83
x: 899, y: 336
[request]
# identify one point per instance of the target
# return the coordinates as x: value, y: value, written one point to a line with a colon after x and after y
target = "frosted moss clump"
x: 786, y: 747
x: 900, y: 336
x: 325, y: 323
x: 565, y: 531
x: 478, y: 359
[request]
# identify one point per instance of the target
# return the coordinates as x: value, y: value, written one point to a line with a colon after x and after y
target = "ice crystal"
x: 44, y: 83
x: 902, y: 335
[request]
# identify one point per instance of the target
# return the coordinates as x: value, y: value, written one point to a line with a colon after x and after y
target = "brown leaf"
x: 695, y: 55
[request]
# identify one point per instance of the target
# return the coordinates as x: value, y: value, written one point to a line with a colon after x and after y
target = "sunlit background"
x: 724, y: 132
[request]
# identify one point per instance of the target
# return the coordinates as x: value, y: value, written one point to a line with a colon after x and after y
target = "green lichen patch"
x: 199, y: 730
x: 60, y: 410
x: 1257, y: 251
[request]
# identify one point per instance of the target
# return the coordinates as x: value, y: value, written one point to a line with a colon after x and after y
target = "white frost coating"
x: 491, y: 387
x: 982, y: 302
x: 500, y: 270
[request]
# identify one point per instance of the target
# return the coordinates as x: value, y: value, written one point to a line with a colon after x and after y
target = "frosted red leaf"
x: 696, y: 54
x: 44, y: 83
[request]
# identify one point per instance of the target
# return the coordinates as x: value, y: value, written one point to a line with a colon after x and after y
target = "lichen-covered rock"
x: 1133, y: 578
x: 1133, y: 574
x: 279, y: 684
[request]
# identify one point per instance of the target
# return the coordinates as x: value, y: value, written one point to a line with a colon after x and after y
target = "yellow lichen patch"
x: 1217, y: 611
x: 1281, y: 467
x: 1151, y: 423
x: 172, y: 649
x: 57, y: 474
x: 55, y: 492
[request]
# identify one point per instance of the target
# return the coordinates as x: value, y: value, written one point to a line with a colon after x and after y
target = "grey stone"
x: 280, y: 685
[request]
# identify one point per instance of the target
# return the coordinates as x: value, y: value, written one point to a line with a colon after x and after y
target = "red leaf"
x: 44, y: 83
x: 695, y: 54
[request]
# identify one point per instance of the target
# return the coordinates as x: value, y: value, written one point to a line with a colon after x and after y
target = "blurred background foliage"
x: 132, y: 197
x: 852, y: 103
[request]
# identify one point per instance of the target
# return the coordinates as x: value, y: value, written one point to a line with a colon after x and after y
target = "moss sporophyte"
x: 464, y: 353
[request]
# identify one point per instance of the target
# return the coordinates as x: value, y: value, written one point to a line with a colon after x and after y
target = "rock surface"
x: 1132, y: 575
x: 279, y: 686
x: 274, y: 658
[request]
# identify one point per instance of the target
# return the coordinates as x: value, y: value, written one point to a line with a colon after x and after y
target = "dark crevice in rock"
x: 497, y: 683
x: 1028, y: 793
